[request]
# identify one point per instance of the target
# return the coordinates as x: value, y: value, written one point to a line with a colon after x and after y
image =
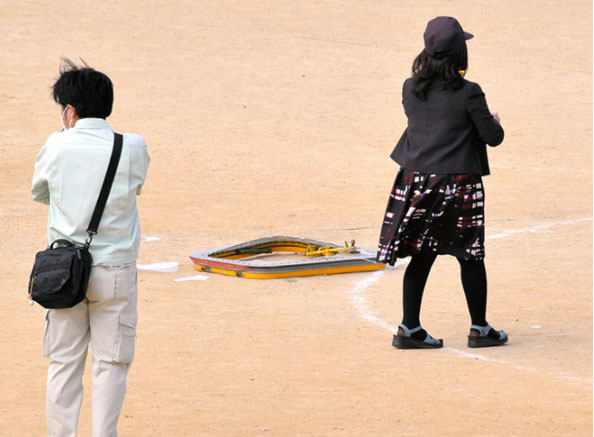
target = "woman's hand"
x: 496, y: 116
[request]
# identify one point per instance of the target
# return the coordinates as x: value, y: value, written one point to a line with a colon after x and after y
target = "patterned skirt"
x: 443, y: 213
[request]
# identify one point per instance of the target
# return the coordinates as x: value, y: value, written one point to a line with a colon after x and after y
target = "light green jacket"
x: 69, y: 172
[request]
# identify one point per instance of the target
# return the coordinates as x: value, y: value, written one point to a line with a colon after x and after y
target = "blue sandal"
x: 406, y: 341
x: 486, y: 336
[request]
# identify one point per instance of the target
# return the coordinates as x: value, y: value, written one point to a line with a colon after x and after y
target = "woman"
x: 437, y: 202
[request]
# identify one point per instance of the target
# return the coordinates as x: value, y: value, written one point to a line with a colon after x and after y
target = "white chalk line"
x: 360, y: 303
x: 537, y: 228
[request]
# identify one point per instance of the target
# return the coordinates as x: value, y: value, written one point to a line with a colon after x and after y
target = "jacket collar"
x: 91, y: 123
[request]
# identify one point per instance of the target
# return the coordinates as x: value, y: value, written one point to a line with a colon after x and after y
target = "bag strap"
x: 105, y: 189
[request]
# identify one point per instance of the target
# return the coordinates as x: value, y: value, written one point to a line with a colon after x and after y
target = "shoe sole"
x: 476, y: 342
x: 412, y: 343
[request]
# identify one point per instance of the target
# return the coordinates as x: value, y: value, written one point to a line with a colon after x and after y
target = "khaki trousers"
x: 107, y: 320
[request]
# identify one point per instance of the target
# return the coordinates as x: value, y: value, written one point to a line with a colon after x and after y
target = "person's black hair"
x: 89, y: 91
x: 426, y: 69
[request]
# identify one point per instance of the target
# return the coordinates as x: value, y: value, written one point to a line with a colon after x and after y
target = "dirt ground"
x: 277, y: 118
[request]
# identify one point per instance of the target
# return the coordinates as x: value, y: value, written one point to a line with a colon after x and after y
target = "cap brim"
x: 468, y: 36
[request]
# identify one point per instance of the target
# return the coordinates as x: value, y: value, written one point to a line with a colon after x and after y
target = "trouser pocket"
x: 124, y: 353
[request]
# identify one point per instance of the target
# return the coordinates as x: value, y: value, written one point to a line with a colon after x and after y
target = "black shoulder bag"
x: 61, y: 272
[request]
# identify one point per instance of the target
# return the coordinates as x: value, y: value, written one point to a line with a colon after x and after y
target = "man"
x: 69, y: 172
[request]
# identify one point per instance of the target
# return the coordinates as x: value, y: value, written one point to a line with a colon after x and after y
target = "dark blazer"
x: 448, y: 132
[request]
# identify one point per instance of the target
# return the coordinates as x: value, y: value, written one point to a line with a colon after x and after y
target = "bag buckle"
x: 88, y: 241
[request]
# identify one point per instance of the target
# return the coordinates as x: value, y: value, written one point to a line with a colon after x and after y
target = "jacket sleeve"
x: 489, y: 130
x: 39, y: 186
x: 142, y: 169
x: 139, y: 160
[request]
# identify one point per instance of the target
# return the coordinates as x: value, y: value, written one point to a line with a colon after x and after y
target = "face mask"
x: 62, y: 119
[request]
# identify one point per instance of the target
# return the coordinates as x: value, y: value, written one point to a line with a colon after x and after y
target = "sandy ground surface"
x: 267, y: 118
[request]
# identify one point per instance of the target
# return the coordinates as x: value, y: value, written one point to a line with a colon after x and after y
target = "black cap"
x: 444, y: 36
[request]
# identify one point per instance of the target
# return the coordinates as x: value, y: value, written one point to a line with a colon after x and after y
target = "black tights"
x: 474, y: 282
